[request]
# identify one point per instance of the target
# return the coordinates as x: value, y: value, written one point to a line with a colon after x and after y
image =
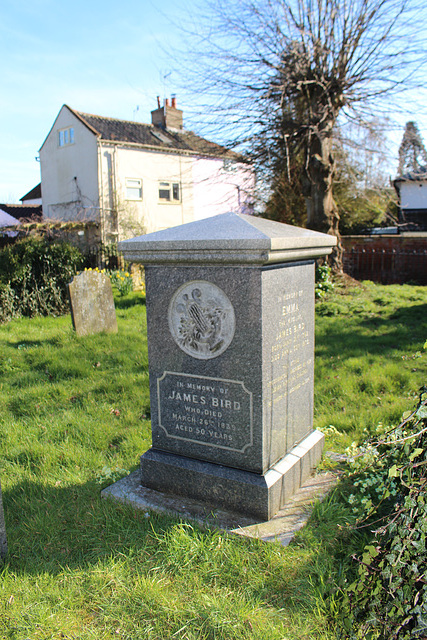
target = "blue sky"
x: 99, y: 57
x: 108, y: 58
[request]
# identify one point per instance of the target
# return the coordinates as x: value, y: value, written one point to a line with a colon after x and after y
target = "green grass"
x: 370, y: 360
x: 75, y: 413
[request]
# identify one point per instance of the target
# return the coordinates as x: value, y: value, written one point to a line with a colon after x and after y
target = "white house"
x: 6, y: 220
x: 134, y: 178
x: 12, y: 215
x: 412, y: 192
x: 33, y: 197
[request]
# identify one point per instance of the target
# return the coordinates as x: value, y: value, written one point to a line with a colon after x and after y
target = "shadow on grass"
x: 129, y: 301
x: 27, y: 345
x: 49, y: 527
x: 93, y: 547
x: 411, y: 315
x: 374, y: 335
x: 62, y: 530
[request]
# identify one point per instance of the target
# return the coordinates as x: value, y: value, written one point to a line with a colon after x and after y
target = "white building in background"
x: 13, y: 215
x: 33, y: 197
x: 132, y: 178
x: 412, y: 193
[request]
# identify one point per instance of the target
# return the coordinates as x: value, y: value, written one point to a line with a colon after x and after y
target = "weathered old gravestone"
x: 3, y: 538
x: 92, y: 303
x: 230, y: 317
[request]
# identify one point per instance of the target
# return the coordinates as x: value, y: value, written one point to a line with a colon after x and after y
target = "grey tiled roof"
x: 20, y: 211
x: 153, y: 136
x: 36, y: 192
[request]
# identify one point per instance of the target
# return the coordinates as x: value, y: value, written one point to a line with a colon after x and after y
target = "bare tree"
x: 281, y: 73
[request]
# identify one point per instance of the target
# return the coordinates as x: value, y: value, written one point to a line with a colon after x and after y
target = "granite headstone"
x: 230, y: 321
x: 92, y: 303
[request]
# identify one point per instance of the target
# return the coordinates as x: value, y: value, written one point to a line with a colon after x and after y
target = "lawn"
x: 370, y: 360
x: 75, y: 416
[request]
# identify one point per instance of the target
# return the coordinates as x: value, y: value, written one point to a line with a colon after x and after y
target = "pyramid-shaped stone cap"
x: 229, y: 238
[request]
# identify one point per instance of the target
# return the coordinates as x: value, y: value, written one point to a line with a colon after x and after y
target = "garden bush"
x: 323, y: 282
x: 388, y: 598
x: 34, y: 274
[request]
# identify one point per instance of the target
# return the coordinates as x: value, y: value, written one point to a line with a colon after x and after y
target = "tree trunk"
x: 322, y: 212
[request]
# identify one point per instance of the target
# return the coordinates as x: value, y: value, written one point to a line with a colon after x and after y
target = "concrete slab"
x: 282, y: 527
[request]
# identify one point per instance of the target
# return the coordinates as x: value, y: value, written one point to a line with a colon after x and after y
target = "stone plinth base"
x: 260, y: 496
x: 281, y: 528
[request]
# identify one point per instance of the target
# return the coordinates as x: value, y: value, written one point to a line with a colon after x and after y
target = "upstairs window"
x: 66, y: 136
x: 169, y: 192
x: 133, y: 189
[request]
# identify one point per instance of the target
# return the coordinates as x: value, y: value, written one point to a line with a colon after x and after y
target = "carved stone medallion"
x: 201, y: 319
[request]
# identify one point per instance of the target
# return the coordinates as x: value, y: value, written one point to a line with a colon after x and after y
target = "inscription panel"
x: 207, y: 411
x: 288, y: 354
x: 292, y: 347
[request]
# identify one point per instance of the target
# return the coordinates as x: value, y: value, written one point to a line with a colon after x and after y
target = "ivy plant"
x: 388, y: 598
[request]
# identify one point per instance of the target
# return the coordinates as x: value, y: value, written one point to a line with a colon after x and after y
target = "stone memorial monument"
x: 3, y: 538
x: 230, y: 322
x: 92, y: 303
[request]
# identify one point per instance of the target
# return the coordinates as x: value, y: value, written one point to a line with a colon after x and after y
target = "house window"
x: 66, y: 136
x: 133, y: 189
x: 169, y: 192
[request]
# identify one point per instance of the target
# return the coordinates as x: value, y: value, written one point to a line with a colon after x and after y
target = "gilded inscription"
x: 291, y: 369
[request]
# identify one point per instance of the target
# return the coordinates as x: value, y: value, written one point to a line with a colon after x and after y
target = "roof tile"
x: 20, y: 211
x: 115, y: 130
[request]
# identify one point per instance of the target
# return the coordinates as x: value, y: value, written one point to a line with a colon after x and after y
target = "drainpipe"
x: 181, y: 190
x: 114, y: 185
x: 101, y: 193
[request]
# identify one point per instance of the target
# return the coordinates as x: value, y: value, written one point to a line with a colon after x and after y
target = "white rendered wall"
x: 149, y: 214
x: 69, y: 174
x: 33, y: 201
x: 219, y: 190
x: 87, y: 180
x: 413, y: 195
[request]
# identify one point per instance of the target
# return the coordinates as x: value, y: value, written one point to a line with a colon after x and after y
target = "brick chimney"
x: 168, y: 116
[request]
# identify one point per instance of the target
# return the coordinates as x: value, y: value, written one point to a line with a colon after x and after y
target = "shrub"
x: 388, y: 599
x: 34, y: 275
x: 323, y: 282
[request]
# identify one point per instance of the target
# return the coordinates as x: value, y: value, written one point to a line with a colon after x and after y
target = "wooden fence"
x: 397, y: 265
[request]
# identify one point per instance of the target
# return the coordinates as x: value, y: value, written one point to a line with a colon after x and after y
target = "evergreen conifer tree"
x: 412, y: 152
